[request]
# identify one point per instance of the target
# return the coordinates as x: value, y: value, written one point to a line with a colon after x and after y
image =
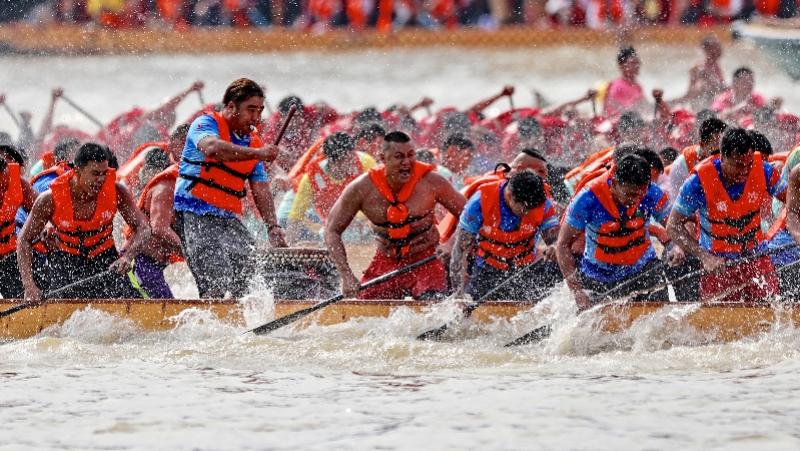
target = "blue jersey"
x: 471, y: 218
x: 203, y: 127
x: 41, y: 185
x: 692, y: 199
x: 586, y: 213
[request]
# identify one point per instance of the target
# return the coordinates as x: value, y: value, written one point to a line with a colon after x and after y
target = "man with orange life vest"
x: 497, y: 231
x: 16, y: 193
x: 399, y: 198
x: 711, y: 131
x: 325, y: 179
x: 613, y: 211
x: 223, y: 153
x: 81, y: 205
x: 727, y: 194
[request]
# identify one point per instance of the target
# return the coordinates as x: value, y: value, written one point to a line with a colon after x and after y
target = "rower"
x: 81, y: 205
x: 398, y: 198
x: 457, y: 154
x: 727, y: 193
x: 222, y: 152
x: 613, y: 211
x: 497, y: 231
x: 705, y: 78
x: 325, y: 179
x: 711, y: 131
x: 625, y: 93
x: 16, y: 193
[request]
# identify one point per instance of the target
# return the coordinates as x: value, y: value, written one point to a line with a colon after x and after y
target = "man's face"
x: 736, y: 168
x: 517, y: 208
x: 523, y: 162
x: 744, y: 84
x: 627, y: 194
x: 630, y: 68
x: 247, y: 114
x: 92, y: 176
x: 456, y: 159
x: 399, y: 159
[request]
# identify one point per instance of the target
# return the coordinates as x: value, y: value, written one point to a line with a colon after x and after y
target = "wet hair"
x: 736, y: 142
x: 633, y: 170
x: 708, y: 41
x: 455, y: 122
x: 91, y: 151
x: 180, y: 133
x: 652, y: 158
x: 533, y: 153
x: 370, y: 132
x: 760, y: 142
x: 527, y: 189
x: 337, y: 146
x: 741, y: 72
x: 425, y: 156
x: 65, y: 149
x: 240, y: 90
x: 156, y: 159
x: 368, y: 115
x: 3, y: 165
x: 710, y: 128
x: 395, y: 137
x: 458, y: 141
x: 529, y: 127
x: 763, y: 115
x: 13, y: 152
x: 629, y: 121
x: 113, y: 161
x: 704, y: 115
x: 668, y: 155
x: 288, y: 102
x: 624, y: 54
x: 623, y: 150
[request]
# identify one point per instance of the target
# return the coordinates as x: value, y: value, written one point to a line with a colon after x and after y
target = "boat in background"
x: 718, y: 322
x: 778, y: 40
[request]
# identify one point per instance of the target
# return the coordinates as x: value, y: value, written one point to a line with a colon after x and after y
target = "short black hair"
x: 240, y: 90
x: 742, y: 71
x: 370, y: 132
x: 455, y: 122
x: 288, y: 102
x: 156, y: 159
x: 425, y: 156
x: 337, y: 146
x: 396, y: 137
x: 633, y: 170
x: 653, y: 160
x: 14, y: 153
x: 736, y: 142
x: 534, y: 153
x: 527, y: 189
x: 529, y: 127
x: 668, y: 154
x: 710, y: 128
x: 704, y: 115
x: 3, y: 164
x: 623, y: 150
x: 458, y: 140
x: 180, y: 133
x: 65, y: 149
x: 92, y: 151
x: 625, y: 53
x: 760, y: 143
x: 368, y: 115
x: 628, y: 121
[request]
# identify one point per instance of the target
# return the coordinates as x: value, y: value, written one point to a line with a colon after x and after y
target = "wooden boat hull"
x: 719, y: 322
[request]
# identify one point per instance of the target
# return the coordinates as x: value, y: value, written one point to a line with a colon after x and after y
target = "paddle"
x: 543, y: 332
x: 289, y: 116
x: 292, y: 317
x: 435, y: 334
x: 82, y: 111
x: 54, y: 293
x: 11, y: 113
x: 201, y: 97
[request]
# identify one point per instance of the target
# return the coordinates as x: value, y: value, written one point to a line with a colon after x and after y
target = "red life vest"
x: 87, y: 238
x: 624, y: 239
x: 48, y: 159
x: 398, y: 222
x: 222, y: 183
x: 735, y: 225
x: 506, y: 250
x: 12, y: 200
x: 326, y: 191
x: 447, y: 226
x: 691, y: 157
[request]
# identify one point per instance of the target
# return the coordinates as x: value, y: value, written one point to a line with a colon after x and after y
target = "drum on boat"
x: 298, y: 273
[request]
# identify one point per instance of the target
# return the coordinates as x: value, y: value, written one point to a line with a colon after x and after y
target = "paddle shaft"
x: 285, y: 125
x: 201, y: 98
x: 12, y: 114
x: 82, y: 111
x: 54, y: 293
x: 292, y: 317
x: 436, y: 333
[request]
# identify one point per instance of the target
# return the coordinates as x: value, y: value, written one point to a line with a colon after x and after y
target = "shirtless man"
x: 398, y: 198
x: 705, y: 78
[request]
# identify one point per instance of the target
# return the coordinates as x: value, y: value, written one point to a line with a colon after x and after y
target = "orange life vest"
x: 48, y: 159
x: 506, y: 250
x: 90, y: 237
x: 447, y: 226
x: 12, y: 200
x: 624, y: 239
x: 326, y: 191
x: 735, y: 225
x: 592, y: 163
x: 59, y: 170
x: 690, y: 155
x: 222, y: 183
x: 398, y: 222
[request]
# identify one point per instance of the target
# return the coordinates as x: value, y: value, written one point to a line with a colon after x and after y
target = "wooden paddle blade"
x: 433, y: 334
x: 533, y: 336
x: 292, y: 317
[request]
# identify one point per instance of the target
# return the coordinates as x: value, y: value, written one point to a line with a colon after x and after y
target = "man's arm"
x: 162, y: 216
x: 340, y: 217
x: 28, y: 195
x: 40, y: 214
x: 138, y: 223
x: 222, y: 150
x: 682, y: 237
x: 262, y: 195
x: 566, y: 237
x: 793, y: 204
x: 163, y: 112
x: 452, y: 200
x: 464, y: 247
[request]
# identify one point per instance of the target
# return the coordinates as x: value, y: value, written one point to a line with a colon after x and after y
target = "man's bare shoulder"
x: 437, y: 180
x: 360, y: 185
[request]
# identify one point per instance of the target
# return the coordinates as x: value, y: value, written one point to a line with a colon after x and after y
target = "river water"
x: 97, y: 382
